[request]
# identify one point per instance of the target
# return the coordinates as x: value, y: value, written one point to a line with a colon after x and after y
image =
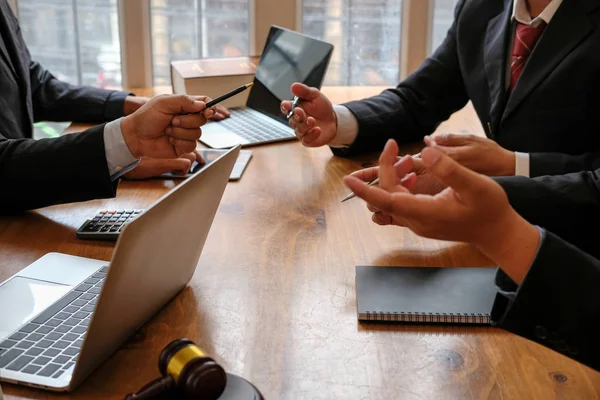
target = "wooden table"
x: 273, y: 297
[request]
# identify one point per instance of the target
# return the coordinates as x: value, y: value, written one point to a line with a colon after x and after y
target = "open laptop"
x: 288, y: 57
x: 63, y: 315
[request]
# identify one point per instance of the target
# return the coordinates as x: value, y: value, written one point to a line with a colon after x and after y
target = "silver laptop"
x: 63, y: 315
x: 288, y: 57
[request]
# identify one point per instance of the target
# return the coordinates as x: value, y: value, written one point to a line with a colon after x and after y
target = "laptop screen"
x: 288, y: 57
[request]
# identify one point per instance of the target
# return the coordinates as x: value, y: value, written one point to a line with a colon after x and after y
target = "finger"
x: 199, y: 157
x: 409, y: 181
x: 178, y: 104
x: 404, y: 166
x: 468, y: 184
x: 222, y: 110
x: 299, y: 115
x: 305, y: 92
x: 189, y: 156
x: 367, y: 174
x: 383, y: 219
x: 182, y: 146
x: 182, y: 133
x: 286, y: 106
x: 451, y: 140
x: 188, y: 121
x: 311, y: 139
x: 372, y: 208
x: 387, y: 172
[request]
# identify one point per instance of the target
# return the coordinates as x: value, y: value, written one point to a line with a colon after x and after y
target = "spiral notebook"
x: 425, y: 294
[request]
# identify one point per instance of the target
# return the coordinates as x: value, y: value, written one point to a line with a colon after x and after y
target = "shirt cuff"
x: 347, y: 128
x: 118, y: 157
x: 522, y: 164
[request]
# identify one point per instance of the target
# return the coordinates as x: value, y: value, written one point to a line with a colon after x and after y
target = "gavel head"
x: 196, y: 375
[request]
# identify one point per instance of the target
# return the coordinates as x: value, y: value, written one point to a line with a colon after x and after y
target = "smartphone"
x: 211, y: 155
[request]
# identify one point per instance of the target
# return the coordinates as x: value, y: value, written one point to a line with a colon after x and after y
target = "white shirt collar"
x: 521, y: 14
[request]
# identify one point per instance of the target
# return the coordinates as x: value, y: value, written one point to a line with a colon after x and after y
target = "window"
x: 189, y: 29
x: 76, y: 40
x: 443, y: 16
x: 366, y: 35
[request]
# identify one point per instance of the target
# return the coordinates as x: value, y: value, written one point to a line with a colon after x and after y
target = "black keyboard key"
x: 31, y: 369
x: 59, y: 373
x: 95, y: 290
x: 51, y: 352
x: 78, y: 343
x: 35, y: 337
x: 19, y: 363
x: 34, y: 351
x: 29, y: 327
x: 54, y: 336
x: 77, y: 303
x: 80, y: 315
x: 92, y: 281
x: 44, y: 329
x: 69, y: 365
x: 41, y: 360
x: 44, y: 343
x: 88, y: 308
x: 71, y: 351
x: 72, y: 321
x: 7, y: 344
x: 62, y: 315
x: 24, y: 344
x: 56, y: 307
x: 98, y: 275
x: 61, y: 344
x: 85, y: 322
x: 53, y: 322
x: 87, y: 296
x: 18, y: 336
x: 84, y: 287
x: 49, y: 370
x: 104, y: 270
x: 69, y: 337
x: 9, y: 356
x: 79, y: 329
x: 62, y: 359
x: 62, y: 329
x: 92, y: 302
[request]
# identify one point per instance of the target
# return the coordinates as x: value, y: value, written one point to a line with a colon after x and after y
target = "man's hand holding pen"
x: 313, y: 119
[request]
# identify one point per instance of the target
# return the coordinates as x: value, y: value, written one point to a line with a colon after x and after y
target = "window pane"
x: 366, y: 35
x: 78, y: 41
x: 443, y: 16
x: 191, y: 29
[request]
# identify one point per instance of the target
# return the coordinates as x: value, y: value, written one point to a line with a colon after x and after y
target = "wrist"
x: 512, y: 245
x: 132, y: 104
x: 128, y: 131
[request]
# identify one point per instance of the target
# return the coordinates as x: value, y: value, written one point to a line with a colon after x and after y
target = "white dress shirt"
x: 118, y: 157
x: 348, y: 125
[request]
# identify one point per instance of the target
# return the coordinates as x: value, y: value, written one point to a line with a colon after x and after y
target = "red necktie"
x: 526, y: 38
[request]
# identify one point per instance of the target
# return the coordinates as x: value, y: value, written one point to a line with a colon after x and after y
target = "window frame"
x: 136, y: 45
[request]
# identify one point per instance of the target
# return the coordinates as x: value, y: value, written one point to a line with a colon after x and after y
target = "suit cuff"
x: 118, y: 157
x: 115, y: 104
x: 347, y: 128
x: 522, y: 164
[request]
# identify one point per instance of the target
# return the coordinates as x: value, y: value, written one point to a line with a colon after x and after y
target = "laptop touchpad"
x: 23, y: 298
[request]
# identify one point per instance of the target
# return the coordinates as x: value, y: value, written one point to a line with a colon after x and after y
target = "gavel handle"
x: 153, y: 389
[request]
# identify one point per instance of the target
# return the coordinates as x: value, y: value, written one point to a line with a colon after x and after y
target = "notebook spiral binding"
x: 483, y: 319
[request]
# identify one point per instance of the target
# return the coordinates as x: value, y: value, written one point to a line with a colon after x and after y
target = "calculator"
x: 106, y: 225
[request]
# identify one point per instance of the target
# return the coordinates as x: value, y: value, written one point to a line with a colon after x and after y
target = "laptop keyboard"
x: 49, y: 344
x: 245, y: 124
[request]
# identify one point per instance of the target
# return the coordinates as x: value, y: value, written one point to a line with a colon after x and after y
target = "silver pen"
x: 294, y: 104
x: 375, y: 181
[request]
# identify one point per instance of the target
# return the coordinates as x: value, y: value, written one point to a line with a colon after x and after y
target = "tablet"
x: 211, y: 155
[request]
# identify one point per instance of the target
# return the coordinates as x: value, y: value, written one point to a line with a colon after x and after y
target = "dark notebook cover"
x: 425, y: 294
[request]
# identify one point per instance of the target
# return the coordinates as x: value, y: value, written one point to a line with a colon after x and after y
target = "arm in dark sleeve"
x: 558, y: 163
x: 567, y: 205
x: 557, y: 304
x: 54, y: 100
x: 416, y: 106
x: 39, y: 173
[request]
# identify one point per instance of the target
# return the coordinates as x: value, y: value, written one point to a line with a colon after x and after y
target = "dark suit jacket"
x: 39, y: 173
x: 557, y: 305
x: 552, y: 112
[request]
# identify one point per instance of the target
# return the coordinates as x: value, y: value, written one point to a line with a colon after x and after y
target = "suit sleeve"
x: 558, y: 163
x: 416, y: 106
x: 55, y: 100
x: 39, y: 173
x: 567, y: 205
x: 557, y: 304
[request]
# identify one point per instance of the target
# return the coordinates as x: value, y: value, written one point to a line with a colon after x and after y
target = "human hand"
x: 152, y: 167
x: 166, y: 126
x: 314, y: 120
x: 133, y: 103
x: 479, y: 154
x: 473, y: 209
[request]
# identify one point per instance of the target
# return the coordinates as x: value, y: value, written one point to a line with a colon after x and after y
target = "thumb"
x: 305, y: 92
x: 450, y: 139
x: 468, y: 184
x: 177, y: 164
x: 179, y: 104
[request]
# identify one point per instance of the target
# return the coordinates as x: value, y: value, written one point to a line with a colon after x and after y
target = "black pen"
x: 294, y: 104
x: 229, y: 94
